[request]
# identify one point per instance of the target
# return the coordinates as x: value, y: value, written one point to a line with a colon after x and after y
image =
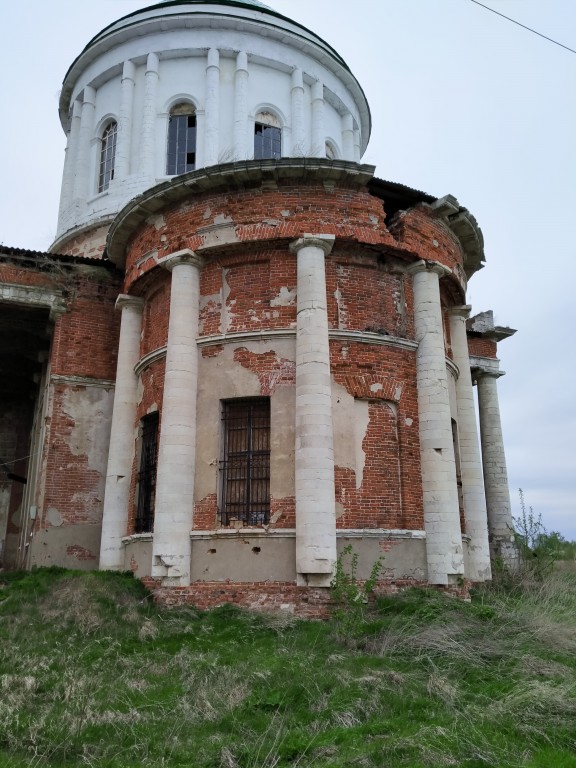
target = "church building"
x: 244, y: 352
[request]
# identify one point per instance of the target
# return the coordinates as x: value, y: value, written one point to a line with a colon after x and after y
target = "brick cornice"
x: 248, y: 174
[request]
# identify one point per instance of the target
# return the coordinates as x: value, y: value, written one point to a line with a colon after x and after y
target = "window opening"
x: 245, y: 466
x: 147, y: 473
x: 107, y: 156
x: 181, y: 153
x: 267, y: 137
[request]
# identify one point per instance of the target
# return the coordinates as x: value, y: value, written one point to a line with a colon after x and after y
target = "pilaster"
x: 212, y: 101
x: 123, y: 147
x: 148, y: 126
x: 241, y: 107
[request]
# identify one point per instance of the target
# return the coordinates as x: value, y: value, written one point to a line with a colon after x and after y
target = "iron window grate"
x: 147, y: 473
x: 245, y: 466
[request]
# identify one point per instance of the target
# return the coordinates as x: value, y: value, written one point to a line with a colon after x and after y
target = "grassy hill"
x: 93, y: 674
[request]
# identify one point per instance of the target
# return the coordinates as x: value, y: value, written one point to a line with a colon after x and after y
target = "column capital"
x: 124, y: 300
x: 324, y: 242
x: 479, y: 373
x: 128, y: 70
x: 428, y: 266
x: 462, y: 311
x: 152, y: 63
x: 185, y: 256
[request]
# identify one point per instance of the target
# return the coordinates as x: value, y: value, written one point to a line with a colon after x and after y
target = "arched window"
x: 181, y: 153
x: 330, y: 151
x: 267, y: 137
x: 107, y: 156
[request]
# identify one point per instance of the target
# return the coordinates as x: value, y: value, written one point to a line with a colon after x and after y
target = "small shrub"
x: 350, y: 594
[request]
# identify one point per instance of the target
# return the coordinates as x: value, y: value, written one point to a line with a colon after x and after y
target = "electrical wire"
x: 523, y: 26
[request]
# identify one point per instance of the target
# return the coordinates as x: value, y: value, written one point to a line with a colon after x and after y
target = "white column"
x: 177, y: 449
x: 147, y: 160
x: 70, y: 159
x: 241, y: 107
x: 500, y: 521
x: 441, y: 508
x: 298, y: 135
x: 347, y: 137
x: 121, y: 450
x: 318, y: 129
x: 470, y: 463
x: 357, y: 155
x: 124, y: 143
x: 82, y: 169
x: 314, y: 464
x: 212, y: 109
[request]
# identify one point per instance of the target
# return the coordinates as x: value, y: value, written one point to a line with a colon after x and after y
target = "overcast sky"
x: 463, y: 102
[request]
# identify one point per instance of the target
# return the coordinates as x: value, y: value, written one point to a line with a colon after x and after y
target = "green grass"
x: 92, y: 673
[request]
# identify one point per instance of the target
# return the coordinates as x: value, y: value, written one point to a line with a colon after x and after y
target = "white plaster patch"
x: 375, y: 387
x: 53, y: 517
x: 221, y: 218
x: 409, y: 422
x: 91, y: 411
x: 158, y: 222
x: 207, y: 213
x: 286, y: 297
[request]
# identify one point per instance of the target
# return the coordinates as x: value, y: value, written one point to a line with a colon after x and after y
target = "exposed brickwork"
x: 206, y: 513
x: 89, y: 244
x: 480, y: 347
x: 377, y: 502
x: 81, y: 553
x: 373, y: 373
x: 73, y: 488
x: 290, y: 211
x: 156, y: 313
x: 426, y: 237
x: 85, y: 339
x: 283, y: 512
x: 271, y: 596
x: 272, y: 371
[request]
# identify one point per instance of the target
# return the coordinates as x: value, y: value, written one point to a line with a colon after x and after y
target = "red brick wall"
x: 391, y: 445
x: 85, y: 341
x: 482, y: 347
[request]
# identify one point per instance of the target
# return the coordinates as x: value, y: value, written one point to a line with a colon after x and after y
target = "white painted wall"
x: 181, y: 43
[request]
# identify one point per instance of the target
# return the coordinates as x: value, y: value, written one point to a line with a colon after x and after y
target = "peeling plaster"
x: 225, y: 315
x: 53, y: 517
x: 286, y: 297
x: 91, y: 411
x: 351, y: 419
x: 158, y: 222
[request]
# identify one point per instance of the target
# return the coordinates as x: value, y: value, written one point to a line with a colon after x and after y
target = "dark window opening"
x: 147, y: 473
x: 181, y: 154
x: 267, y: 142
x: 245, y: 465
x: 107, y: 157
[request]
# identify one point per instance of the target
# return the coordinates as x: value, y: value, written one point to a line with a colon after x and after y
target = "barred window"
x: 245, y: 464
x: 107, y: 156
x: 147, y: 473
x: 181, y: 153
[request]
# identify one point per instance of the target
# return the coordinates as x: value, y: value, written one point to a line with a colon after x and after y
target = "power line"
x: 550, y: 40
